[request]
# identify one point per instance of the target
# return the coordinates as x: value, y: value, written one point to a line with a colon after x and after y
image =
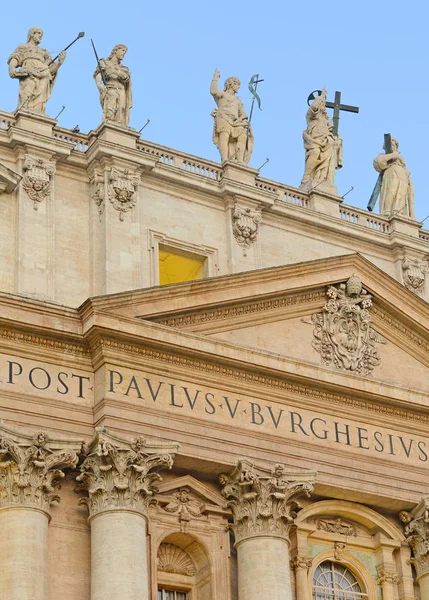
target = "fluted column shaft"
x: 30, y: 469
x: 264, y: 507
x: 119, y: 478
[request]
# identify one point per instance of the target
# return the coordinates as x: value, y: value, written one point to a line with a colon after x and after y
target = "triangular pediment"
x: 194, y: 487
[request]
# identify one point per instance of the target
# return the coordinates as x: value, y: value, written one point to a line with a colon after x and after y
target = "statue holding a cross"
x: 322, y: 143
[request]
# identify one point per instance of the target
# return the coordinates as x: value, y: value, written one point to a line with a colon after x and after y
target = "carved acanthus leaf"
x: 122, y: 473
x: 37, y: 178
x: 343, y: 334
x: 416, y: 523
x: 264, y: 503
x: 301, y: 563
x: 31, y: 467
x: 173, y: 559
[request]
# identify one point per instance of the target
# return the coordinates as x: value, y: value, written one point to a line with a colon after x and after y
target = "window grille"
x: 171, y: 595
x: 333, y: 581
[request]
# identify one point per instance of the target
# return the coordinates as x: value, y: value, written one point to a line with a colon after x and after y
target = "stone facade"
x: 229, y: 437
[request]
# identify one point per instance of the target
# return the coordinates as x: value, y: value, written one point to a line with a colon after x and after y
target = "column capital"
x: 301, y: 563
x: 31, y: 466
x: 384, y: 576
x: 263, y: 502
x: 120, y: 473
x: 416, y: 523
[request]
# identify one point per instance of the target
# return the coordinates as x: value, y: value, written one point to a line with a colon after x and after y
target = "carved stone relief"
x: 343, y: 334
x: 384, y: 576
x: 301, y: 563
x: 245, y: 224
x: 339, y: 549
x: 183, y: 504
x: 264, y: 502
x: 416, y: 523
x: 98, y: 189
x: 122, y: 191
x: 31, y: 467
x: 337, y: 526
x: 122, y: 473
x: 414, y: 273
x: 37, y: 178
x: 173, y: 559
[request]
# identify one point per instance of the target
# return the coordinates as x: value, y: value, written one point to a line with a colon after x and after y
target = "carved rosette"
x: 416, y: 523
x: 343, y: 334
x: 37, y: 178
x: 245, y: 224
x: 122, y: 190
x: 31, y: 467
x: 414, y: 274
x: 264, y: 502
x: 98, y: 189
x: 119, y: 473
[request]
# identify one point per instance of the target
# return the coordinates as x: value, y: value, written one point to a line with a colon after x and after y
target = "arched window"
x: 334, y: 581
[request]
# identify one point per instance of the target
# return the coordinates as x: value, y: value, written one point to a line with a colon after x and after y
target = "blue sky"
x: 375, y: 53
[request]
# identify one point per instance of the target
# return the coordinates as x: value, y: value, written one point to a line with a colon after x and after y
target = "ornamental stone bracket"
x: 31, y: 466
x: 245, y: 225
x: 121, y: 473
x: 416, y: 523
x: 98, y: 189
x: 301, y: 563
x: 122, y: 189
x: 343, y: 334
x: 386, y: 577
x: 9, y: 180
x: 37, y: 178
x: 414, y: 274
x: 264, y: 502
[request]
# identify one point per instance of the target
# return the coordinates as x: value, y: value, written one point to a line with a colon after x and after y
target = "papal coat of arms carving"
x: 343, y: 334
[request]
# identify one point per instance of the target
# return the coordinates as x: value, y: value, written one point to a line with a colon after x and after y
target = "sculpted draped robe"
x: 36, y: 87
x: 116, y: 97
x: 323, y: 151
x: 397, y: 193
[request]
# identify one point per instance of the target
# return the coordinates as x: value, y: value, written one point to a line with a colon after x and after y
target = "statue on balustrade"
x: 36, y: 71
x: 323, y: 150
x: 397, y: 192
x: 113, y: 80
x: 232, y: 133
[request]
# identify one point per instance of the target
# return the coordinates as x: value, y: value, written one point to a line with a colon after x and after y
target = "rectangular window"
x: 171, y: 595
x: 176, y: 266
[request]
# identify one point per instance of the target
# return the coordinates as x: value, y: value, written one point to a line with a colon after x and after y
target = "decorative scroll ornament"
x: 173, y: 559
x: 123, y: 190
x: 98, y: 189
x: 384, y: 576
x: 263, y: 502
x: 337, y: 526
x: 37, y: 178
x: 122, y: 473
x: 245, y: 224
x: 343, y: 333
x: 414, y: 274
x: 31, y: 467
x: 416, y: 523
x: 185, y: 507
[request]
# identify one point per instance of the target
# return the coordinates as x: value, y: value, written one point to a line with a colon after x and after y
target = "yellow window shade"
x: 176, y: 266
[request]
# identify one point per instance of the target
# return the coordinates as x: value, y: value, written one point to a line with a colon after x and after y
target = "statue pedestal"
x: 240, y: 173
x: 120, y: 135
x: 325, y: 203
x: 35, y: 122
x: 405, y: 226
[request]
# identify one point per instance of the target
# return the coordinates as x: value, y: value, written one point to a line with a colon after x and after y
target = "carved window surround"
x: 156, y: 239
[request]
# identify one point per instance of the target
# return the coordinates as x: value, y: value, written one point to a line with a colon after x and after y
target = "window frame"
x: 336, y: 593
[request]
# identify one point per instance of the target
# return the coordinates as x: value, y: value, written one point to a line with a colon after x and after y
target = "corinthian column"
x: 30, y: 470
x: 416, y: 524
x: 264, y: 507
x: 119, y: 476
x: 301, y: 564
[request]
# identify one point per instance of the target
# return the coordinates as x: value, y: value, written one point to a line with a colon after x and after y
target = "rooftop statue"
x: 113, y: 80
x: 36, y: 71
x: 323, y: 149
x: 232, y: 133
x: 397, y: 193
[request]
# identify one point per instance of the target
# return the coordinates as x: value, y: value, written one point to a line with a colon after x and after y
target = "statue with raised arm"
x: 323, y: 150
x: 36, y: 71
x: 397, y: 193
x: 113, y: 80
x: 232, y: 133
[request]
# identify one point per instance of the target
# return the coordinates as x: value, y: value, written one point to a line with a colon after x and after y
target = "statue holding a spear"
x: 36, y: 71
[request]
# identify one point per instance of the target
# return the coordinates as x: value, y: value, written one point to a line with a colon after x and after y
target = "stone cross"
x: 337, y: 106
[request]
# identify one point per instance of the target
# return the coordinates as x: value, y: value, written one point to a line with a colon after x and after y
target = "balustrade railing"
x: 424, y: 235
x: 79, y: 142
x: 283, y: 192
x: 356, y: 216
x: 6, y: 120
x: 187, y: 162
